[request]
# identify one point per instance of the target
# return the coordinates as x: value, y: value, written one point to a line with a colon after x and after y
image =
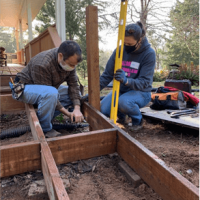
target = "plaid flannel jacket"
x: 43, y: 69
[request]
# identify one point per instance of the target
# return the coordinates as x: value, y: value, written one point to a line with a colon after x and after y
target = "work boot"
x: 136, y: 127
x: 124, y: 120
x: 121, y: 120
x: 52, y: 133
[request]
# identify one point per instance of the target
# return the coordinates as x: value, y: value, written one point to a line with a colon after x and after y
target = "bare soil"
x: 15, y: 121
x: 100, y: 177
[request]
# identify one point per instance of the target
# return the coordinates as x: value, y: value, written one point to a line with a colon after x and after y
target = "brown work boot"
x: 136, y: 127
x: 124, y: 120
x: 52, y: 133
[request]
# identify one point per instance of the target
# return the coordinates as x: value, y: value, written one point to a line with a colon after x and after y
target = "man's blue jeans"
x: 46, y: 98
x: 129, y: 104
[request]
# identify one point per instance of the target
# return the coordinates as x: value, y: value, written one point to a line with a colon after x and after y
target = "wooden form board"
x: 5, y: 79
x: 10, y: 105
x: 83, y: 146
x: 36, y: 129
x: 20, y: 158
x: 54, y: 184
x: 164, y: 180
x: 5, y: 90
x: 183, y: 120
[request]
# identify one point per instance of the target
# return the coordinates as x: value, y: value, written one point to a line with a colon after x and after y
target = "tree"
x: 152, y: 13
x: 75, y: 22
x: 103, y: 59
x: 156, y: 43
x: 75, y: 16
x: 46, y: 16
x: 7, y: 39
x: 183, y: 46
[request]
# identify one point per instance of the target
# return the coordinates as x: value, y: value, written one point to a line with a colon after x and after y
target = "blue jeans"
x: 46, y: 98
x: 129, y: 104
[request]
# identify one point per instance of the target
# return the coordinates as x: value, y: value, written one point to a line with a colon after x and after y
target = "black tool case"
x: 184, y: 85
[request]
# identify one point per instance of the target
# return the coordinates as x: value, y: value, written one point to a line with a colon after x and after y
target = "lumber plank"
x: 83, y: 146
x: 36, y: 129
x: 168, y: 183
x: 5, y: 90
x: 20, y: 158
x: 54, y: 183
x: 4, y: 79
x: 95, y: 118
x: 93, y: 56
x: 130, y: 174
x: 54, y: 36
x: 8, y: 104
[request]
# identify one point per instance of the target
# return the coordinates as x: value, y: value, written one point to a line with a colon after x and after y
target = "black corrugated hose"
x: 16, y: 132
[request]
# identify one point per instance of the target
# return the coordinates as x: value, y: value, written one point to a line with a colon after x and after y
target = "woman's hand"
x: 121, y: 76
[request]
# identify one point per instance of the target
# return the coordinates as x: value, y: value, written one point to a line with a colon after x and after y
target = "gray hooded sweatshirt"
x: 138, y: 66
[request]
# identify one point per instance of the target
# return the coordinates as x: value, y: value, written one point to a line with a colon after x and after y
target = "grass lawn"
x: 105, y: 91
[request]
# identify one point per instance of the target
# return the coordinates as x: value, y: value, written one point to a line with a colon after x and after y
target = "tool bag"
x: 169, y: 100
x: 17, y: 89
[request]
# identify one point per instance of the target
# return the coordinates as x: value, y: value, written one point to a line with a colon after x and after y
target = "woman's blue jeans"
x: 46, y: 98
x: 129, y: 104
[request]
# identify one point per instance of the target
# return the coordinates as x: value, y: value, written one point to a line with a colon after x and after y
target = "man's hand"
x: 77, y: 114
x: 121, y: 76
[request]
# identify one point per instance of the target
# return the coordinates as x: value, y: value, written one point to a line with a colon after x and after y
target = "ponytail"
x: 142, y: 27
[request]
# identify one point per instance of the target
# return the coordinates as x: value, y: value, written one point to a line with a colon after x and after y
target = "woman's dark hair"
x: 136, y: 30
x: 68, y: 48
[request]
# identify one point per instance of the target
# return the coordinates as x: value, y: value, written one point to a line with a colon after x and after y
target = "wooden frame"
x: 105, y: 138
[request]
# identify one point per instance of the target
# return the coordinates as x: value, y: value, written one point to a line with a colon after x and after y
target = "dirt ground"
x: 100, y: 177
x: 14, y: 121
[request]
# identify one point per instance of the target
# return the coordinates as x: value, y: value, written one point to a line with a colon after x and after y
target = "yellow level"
x: 118, y: 60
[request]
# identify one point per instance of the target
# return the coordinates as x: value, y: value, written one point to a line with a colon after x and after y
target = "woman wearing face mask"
x: 43, y: 77
x: 136, y: 76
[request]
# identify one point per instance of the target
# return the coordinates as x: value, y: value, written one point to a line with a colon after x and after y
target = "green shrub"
x: 188, y: 72
x: 159, y: 76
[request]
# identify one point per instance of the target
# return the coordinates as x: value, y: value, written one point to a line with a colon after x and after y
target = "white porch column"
x: 60, y: 19
x: 29, y: 20
x: 21, y: 34
x: 17, y: 39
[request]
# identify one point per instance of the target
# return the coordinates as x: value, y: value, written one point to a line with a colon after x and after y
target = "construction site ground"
x: 100, y: 177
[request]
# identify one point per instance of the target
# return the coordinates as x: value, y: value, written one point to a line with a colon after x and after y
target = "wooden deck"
x: 5, y: 73
x: 11, y: 69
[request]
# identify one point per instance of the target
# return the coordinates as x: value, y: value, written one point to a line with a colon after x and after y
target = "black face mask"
x: 130, y: 49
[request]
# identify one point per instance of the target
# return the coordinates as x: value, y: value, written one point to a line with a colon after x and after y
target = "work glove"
x: 120, y: 76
